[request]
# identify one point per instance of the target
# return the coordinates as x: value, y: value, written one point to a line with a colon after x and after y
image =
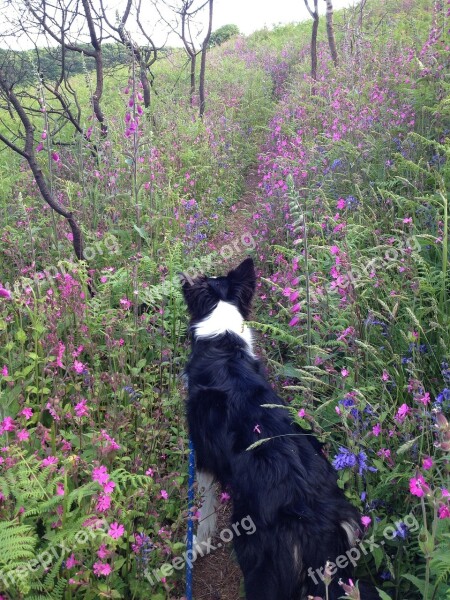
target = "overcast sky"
x: 248, y: 15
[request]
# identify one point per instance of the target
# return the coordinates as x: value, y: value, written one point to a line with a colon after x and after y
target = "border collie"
x: 285, y: 484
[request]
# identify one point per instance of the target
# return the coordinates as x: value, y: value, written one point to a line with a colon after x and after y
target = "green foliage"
x: 350, y: 216
x: 223, y: 34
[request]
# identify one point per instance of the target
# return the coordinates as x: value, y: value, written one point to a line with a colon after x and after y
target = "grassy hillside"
x: 350, y: 234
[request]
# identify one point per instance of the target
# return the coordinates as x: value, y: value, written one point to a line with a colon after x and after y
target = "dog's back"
x: 245, y: 437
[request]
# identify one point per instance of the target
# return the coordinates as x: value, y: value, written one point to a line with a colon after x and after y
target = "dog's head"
x: 203, y: 293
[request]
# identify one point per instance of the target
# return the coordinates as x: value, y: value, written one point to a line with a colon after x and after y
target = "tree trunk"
x: 98, y: 57
x: 330, y: 32
x: 99, y: 92
x: 315, y: 28
x: 203, y: 60
x: 77, y: 240
x: 315, y: 16
x: 145, y: 85
x: 192, y: 89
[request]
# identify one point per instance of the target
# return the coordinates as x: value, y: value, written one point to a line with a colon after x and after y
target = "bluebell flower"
x: 362, y: 464
x: 347, y: 402
x: 336, y: 163
x: 444, y: 396
x: 132, y: 393
x: 401, y: 532
x: 385, y: 575
x: 344, y: 460
x: 370, y: 321
x: 347, y: 459
x: 437, y: 160
x: 351, y: 202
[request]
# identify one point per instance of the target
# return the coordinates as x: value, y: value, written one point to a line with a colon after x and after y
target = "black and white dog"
x: 285, y: 484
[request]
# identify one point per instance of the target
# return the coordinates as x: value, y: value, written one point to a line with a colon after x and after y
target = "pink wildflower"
x: 376, y: 430
x: 366, y: 521
x: 49, y: 461
x: 22, y: 435
x: 71, y: 561
x: 108, y: 487
x: 103, y: 503
x: 418, y: 486
x: 7, y: 425
x: 425, y: 399
x: 78, y: 366
x: 116, y: 531
x: 81, y: 409
x: 100, y: 474
x: 402, y: 412
x: 103, y: 552
x: 427, y: 463
x: 27, y: 413
x: 164, y: 494
x: 125, y: 303
x: 224, y: 497
x: 61, y: 350
x: 102, y: 569
x: 294, y: 321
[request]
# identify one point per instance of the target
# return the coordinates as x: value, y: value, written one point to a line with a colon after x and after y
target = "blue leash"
x: 190, y: 525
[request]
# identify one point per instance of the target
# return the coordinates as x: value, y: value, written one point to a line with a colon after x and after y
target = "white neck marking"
x: 225, y: 317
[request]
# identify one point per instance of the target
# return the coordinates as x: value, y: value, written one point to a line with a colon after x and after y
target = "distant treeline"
x: 23, y: 66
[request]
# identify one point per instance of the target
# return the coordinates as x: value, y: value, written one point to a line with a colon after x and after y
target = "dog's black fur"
x: 285, y: 484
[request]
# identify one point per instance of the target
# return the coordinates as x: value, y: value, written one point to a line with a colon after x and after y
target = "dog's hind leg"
x: 208, y: 517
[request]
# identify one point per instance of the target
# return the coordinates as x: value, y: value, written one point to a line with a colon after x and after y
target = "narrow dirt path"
x: 239, y: 222
x: 217, y: 576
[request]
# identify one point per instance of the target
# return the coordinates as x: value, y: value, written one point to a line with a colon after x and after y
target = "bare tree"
x: 22, y: 142
x: 315, y: 16
x: 330, y: 32
x: 186, y: 12
x: 64, y: 22
x: 205, y: 45
x: 144, y: 55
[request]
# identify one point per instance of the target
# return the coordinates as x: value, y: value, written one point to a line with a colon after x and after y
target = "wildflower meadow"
x: 337, y: 185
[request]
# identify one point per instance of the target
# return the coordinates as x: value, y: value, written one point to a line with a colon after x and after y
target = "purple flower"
x: 344, y: 460
x: 401, y: 532
x: 347, y: 459
x: 362, y: 463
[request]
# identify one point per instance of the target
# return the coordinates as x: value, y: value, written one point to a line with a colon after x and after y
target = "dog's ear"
x: 186, y: 282
x: 242, y: 285
x: 196, y: 295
